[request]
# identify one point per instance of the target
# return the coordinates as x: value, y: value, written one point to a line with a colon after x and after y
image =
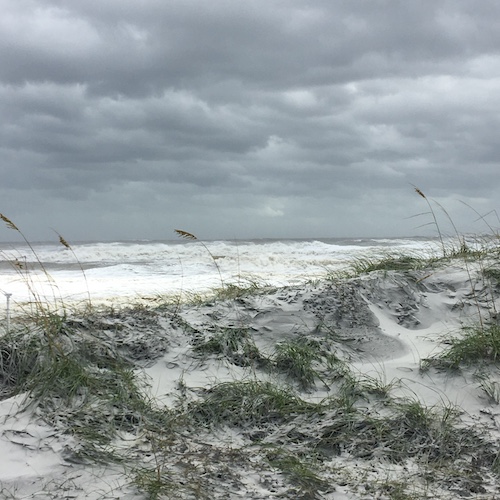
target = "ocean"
x: 124, y: 271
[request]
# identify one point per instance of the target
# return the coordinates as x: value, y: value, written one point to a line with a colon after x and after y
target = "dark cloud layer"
x: 271, y: 118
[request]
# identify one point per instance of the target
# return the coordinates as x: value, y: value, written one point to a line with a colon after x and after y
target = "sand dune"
x: 361, y: 414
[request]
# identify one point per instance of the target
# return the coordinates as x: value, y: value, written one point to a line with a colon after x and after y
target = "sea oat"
x: 8, y: 222
x: 64, y: 243
x: 190, y: 236
x: 420, y: 193
x: 185, y: 234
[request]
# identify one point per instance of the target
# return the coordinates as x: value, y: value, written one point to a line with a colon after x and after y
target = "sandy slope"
x: 383, y: 324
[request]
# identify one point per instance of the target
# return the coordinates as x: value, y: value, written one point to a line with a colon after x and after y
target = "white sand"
x: 386, y: 322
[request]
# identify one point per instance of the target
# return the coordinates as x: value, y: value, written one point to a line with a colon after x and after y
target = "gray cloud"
x: 124, y: 119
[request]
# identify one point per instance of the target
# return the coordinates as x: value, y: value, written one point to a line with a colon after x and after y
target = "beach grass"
x: 300, y: 471
x: 248, y: 403
x: 391, y: 262
x: 472, y: 346
x: 234, y: 344
x: 305, y: 361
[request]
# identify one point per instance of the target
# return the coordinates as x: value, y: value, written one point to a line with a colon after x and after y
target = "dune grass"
x: 235, y: 344
x: 473, y: 346
x: 248, y: 403
x: 306, y: 361
x: 85, y: 385
x: 391, y: 262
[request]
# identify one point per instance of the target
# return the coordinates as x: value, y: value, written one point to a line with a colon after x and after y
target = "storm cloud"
x: 236, y: 119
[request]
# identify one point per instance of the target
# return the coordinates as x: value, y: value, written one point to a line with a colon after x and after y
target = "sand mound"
x: 314, y: 391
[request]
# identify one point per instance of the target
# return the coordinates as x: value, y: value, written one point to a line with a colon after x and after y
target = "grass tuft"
x: 235, y: 344
x: 296, y: 358
x: 389, y: 263
x: 300, y: 472
x: 476, y: 346
x: 247, y: 403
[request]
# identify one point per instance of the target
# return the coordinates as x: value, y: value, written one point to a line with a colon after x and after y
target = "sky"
x: 236, y: 119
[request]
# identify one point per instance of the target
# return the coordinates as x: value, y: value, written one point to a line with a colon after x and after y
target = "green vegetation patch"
x: 82, y: 384
x: 300, y: 471
x: 248, y: 403
x: 433, y: 438
x: 390, y: 263
x: 242, y: 288
x: 476, y: 346
x: 304, y: 360
x: 492, y: 274
x: 235, y: 344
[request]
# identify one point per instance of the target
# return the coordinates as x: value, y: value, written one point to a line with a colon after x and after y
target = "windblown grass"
x: 390, y: 263
x: 491, y: 388
x: 301, y: 471
x: 235, y: 344
x: 476, y: 345
x: 84, y: 385
x: 306, y: 360
x: 191, y: 237
x: 25, y: 271
x: 248, y: 403
x: 400, y: 431
x: 240, y: 289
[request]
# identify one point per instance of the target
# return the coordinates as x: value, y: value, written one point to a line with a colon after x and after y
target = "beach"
x: 341, y: 386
